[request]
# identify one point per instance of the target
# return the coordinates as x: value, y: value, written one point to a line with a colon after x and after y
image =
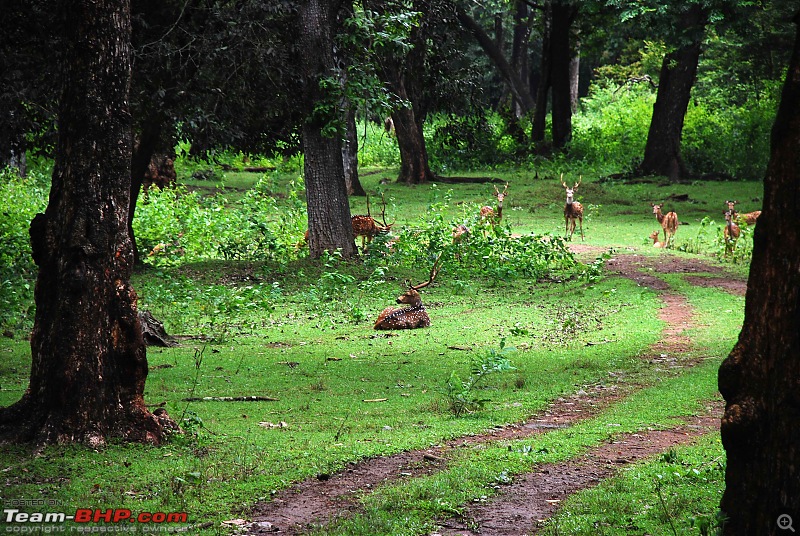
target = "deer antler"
x: 580, y: 178
x: 383, y: 212
x: 564, y: 184
x: 434, y: 273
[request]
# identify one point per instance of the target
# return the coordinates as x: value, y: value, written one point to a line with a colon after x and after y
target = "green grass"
x: 301, y: 332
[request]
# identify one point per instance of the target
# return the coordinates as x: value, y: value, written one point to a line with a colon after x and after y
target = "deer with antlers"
x: 367, y: 227
x: 668, y: 221
x: 749, y: 218
x: 573, y: 211
x: 413, y: 315
x: 489, y: 213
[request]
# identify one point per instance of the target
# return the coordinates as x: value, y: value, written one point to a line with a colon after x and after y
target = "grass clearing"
x: 301, y: 332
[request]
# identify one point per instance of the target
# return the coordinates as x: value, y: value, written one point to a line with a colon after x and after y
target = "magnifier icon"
x: 785, y: 522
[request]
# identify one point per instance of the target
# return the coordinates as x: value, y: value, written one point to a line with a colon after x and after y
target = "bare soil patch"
x: 734, y: 286
x: 327, y: 497
x: 521, y: 507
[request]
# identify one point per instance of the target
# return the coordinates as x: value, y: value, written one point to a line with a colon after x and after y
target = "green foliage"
x: 177, y: 225
x: 20, y: 200
x: 488, y: 250
x: 709, y: 239
x: 462, y: 396
x: 611, y: 129
x: 474, y: 141
x: 729, y: 138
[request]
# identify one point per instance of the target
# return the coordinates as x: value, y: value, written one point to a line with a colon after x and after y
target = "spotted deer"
x: 367, y: 227
x: 654, y: 238
x: 749, y: 218
x: 488, y: 213
x: 731, y: 231
x: 573, y: 211
x: 668, y: 221
x: 413, y: 315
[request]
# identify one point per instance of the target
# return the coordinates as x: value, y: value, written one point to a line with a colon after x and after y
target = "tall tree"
x: 405, y: 76
x: 329, y: 227
x: 760, y: 377
x: 559, y: 15
x: 88, y: 358
x: 662, y: 154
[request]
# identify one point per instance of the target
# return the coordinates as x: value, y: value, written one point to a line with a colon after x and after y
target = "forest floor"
x: 532, y: 497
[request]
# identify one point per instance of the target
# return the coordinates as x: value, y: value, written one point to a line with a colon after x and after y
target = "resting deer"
x: 414, y: 314
x: 572, y: 210
x: 731, y: 232
x: 654, y: 238
x: 668, y: 221
x: 367, y: 228
x: 749, y: 218
x: 489, y: 213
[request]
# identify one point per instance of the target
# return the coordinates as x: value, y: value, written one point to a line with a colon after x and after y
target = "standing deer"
x: 731, y: 232
x: 367, y: 228
x: 572, y: 209
x: 414, y: 314
x: 668, y: 221
x: 749, y: 218
x: 489, y: 213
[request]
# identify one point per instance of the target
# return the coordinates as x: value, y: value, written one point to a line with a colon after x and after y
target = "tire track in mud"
x: 318, y: 501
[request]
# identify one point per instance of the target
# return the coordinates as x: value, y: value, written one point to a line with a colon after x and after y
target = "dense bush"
x: 20, y: 200
x: 729, y: 138
x: 176, y: 226
x: 610, y: 131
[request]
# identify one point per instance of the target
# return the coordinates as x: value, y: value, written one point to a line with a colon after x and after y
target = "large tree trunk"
x: 563, y: 13
x: 760, y: 377
x: 141, y: 158
x: 350, y: 153
x: 406, y: 78
x: 414, y: 167
x: 329, y: 227
x: 662, y: 152
x: 88, y: 366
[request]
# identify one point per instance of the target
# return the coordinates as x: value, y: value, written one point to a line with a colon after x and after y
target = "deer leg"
x: 581, y: 222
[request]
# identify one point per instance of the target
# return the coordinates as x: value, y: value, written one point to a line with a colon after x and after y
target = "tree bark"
x: 511, y: 77
x: 414, y: 167
x: 662, y: 153
x: 563, y: 15
x: 406, y: 77
x: 759, y: 379
x: 350, y: 153
x: 89, y: 365
x: 140, y: 160
x: 329, y: 226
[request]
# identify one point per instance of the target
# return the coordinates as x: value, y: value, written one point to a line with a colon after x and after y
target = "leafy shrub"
x: 709, y: 240
x: 461, y: 394
x: 491, y: 251
x: 175, y: 226
x: 729, y: 138
x: 611, y: 129
x: 20, y: 200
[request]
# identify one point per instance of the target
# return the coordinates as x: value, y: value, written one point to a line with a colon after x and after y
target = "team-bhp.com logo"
x: 86, y: 515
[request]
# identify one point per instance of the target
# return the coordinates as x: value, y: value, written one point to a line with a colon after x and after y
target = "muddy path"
x: 521, y: 507
x: 317, y: 501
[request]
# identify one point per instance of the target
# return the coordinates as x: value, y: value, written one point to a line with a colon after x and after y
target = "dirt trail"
x: 520, y: 508
x: 318, y: 501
